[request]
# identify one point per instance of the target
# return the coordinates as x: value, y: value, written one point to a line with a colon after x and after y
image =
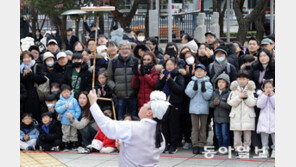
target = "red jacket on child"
x: 106, y: 141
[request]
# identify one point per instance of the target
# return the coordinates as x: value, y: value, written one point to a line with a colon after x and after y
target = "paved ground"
x: 183, y: 158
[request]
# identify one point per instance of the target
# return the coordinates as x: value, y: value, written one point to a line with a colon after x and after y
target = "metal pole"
x: 95, y: 53
x: 170, y: 21
x: 228, y: 20
x: 271, y: 16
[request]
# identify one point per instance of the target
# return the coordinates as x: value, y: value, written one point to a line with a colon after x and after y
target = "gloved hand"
x: 195, y: 86
x: 203, y: 86
x: 135, y: 69
x: 143, y: 70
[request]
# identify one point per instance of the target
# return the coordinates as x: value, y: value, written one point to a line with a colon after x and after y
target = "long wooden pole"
x: 113, y: 106
x: 95, y: 53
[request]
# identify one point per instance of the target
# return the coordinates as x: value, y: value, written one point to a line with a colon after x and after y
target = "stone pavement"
x: 183, y: 158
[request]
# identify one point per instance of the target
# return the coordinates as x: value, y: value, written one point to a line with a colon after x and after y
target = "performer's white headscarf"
x: 159, y: 107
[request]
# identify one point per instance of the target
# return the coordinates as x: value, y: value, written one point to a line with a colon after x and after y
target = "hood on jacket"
x: 117, y: 32
x: 205, y: 78
x: 250, y: 86
x: 192, y: 45
x: 225, y: 77
x: 70, y: 97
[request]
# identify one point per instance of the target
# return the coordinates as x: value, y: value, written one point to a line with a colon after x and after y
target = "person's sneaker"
x: 272, y: 154
x: 167, y: 147
x: 30, y: 148
x: 56, y: 149
x: 82, y: 150
x: 265, y: 153
x: 75, y: 146
x: 173, y: 150
x: 186, y: 146
x: 66, y: 146
x: 195, y: 150
x: 201, y: 150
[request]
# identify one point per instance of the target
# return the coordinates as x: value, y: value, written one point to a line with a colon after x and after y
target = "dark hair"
x: 91, y: 39
x: 77, y: 55
x: 27, y: 115
x: 239, y: 44
x: 34, y: 47
x: 267, y: 81
x: 24, y: 53
x: 219, y: 41
x: 254, y: 39
x: 151, y: 54
x: 107, y: 107
x: 46, y: 114
x: 102, y: 73
x: 248, y: 58
x: 205, y: 44
x: 85, y: 112
x: 172, y: 44
x: 139, y: 31
x: 153, y: 40
x: 38, y: 30
x: 127, y: 115
x: 55, y: 84
x: 65, y: 87
x: 172, y: 59
x: 187, y: 36
x: 271, y: 62
x: 50, y: 97
x: 243, y: 74
x: 76, y: 43
x: 230, y: 48
x: 142, y: 47
x: 111, y: 43
x: 86, y: 50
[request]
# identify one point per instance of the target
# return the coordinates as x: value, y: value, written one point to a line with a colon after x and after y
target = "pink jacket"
x: 266, y: 122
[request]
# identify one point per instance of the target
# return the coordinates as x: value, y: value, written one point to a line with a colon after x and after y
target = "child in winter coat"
x: 50, y: 137
x: 101, y: 142
x: 221, y: 110
x: 242, y: 115
x: 68, y: 103
x: 28, y: 133
x: 172, y: 83
x: 266, y: 122
x: 199, y: 90
x: 103, y: 90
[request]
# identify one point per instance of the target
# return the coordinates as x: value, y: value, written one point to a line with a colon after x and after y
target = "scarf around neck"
x: 166, y: 88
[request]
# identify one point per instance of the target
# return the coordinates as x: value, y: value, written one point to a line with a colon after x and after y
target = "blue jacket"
x: 199, y: 102
x: 33, y: 133
x: 73, y: 108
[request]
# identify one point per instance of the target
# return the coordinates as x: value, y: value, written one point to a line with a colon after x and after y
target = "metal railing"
x: 182, y: 23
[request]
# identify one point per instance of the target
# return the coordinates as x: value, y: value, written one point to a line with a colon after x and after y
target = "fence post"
x: 170, y: 21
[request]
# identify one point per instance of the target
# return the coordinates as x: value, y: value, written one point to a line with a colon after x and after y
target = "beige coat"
x: 242, y: 115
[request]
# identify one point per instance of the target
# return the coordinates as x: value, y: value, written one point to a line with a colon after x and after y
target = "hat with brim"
x: 47, y: 55
x: 201, y: 66
x: 266, y: 41
x: 60, y: 55
x: 220, y: 50
x: 52, y: 41
x: 210, y: 33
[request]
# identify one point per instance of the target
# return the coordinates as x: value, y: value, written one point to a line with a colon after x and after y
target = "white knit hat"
x: 159, y: 105
x: 101, y: 48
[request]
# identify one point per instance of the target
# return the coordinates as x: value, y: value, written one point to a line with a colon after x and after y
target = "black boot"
x: 195, y: 150
x: 201, y: 149
x: 75, y: 145
x: 65, y: 146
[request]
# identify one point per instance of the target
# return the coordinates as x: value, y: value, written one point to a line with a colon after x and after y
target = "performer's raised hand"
x: 92, y: 96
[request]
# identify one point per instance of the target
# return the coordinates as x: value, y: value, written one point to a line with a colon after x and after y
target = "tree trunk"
x: 244, y: 22
x: 259, y: 20
x: 147, y: 19
x: 34, y: 20
x: 63, y: 29
x: 242, y: 31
